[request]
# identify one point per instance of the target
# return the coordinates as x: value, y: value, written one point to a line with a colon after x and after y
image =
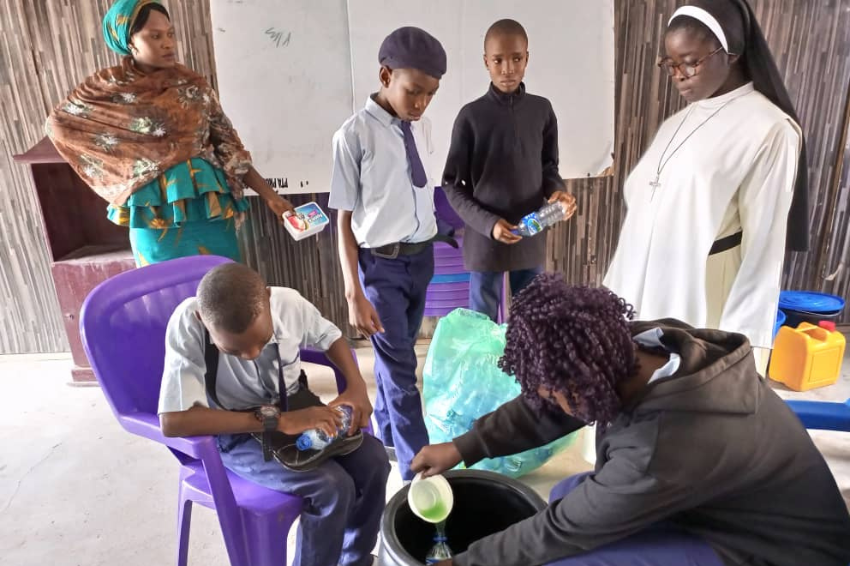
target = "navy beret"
x: 413, y: 48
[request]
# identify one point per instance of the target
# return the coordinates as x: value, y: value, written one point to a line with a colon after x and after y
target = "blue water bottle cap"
x: 304, y: 442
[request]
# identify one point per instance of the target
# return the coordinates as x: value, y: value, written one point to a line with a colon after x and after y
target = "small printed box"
x: 308, y: 220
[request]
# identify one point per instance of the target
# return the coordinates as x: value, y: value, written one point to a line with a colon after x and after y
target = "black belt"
x: 726, y: 244
x: 392, y: 251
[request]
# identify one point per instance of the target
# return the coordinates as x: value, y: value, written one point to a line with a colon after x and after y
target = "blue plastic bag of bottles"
x: 462, y: 381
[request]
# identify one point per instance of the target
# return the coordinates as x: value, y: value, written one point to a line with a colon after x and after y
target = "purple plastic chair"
x: 122, y: 324
x: 449, y: 289
x: 444, y: 211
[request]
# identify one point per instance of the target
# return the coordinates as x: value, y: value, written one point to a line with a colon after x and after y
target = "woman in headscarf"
x: 708, y: 217
x: 150, y: 137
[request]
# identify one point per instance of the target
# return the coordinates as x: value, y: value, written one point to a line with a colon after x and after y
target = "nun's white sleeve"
x: 764, y: 199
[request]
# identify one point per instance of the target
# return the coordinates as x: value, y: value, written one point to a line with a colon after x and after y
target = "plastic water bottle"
x: 440, y: 550
x: 536, y: 222
x: 317, y: 439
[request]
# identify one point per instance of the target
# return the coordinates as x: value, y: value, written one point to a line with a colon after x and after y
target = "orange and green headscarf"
x: 119, y: 20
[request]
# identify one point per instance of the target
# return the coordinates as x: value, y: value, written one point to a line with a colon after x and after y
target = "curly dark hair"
x: 572, y: 340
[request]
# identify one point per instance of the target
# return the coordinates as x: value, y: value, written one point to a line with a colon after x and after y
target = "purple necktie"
x: 420, y: 179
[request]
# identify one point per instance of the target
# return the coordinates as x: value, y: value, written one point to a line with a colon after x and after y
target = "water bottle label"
x: 532, y: 223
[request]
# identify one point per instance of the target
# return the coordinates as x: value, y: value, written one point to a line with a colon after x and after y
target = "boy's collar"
x: 504, y: 97
x: 378, y: 111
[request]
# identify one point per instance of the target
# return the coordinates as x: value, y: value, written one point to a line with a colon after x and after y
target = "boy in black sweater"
x: 502, y: 165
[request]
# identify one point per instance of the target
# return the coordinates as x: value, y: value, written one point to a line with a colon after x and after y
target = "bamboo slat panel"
x: 29, y: 310
x: 311, y: 266
x: 49, y: 46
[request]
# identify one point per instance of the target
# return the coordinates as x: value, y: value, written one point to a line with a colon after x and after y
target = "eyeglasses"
x: 688, y: 70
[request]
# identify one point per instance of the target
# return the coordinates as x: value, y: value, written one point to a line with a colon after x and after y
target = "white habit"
x: 735, y: 173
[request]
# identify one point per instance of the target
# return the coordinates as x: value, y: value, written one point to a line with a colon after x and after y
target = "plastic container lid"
x: 308, y: 220
x: 304, y: 443
x: 810, y: 301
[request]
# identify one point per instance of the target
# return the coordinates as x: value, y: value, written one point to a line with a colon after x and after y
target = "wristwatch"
x: 269, y: 415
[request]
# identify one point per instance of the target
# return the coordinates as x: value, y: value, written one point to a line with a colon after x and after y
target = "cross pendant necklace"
x: 655, y: 183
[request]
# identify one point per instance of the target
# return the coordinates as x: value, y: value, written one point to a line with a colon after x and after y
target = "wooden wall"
x: 48, y: 46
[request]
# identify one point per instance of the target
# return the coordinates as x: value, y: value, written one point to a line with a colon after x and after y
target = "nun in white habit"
x: 708, y: 204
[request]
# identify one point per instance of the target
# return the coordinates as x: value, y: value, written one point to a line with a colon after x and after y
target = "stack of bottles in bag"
x: 317, y: 439
x: 462, y: 382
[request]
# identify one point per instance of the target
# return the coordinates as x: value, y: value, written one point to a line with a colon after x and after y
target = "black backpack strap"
x: 211, y: 354
x: 211, y: 358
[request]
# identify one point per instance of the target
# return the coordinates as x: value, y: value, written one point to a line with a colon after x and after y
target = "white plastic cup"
x: 430, y: 499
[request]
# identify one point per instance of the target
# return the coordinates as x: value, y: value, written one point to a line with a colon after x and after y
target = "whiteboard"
x: 284, y: 79
x: 290, y: 72
x: 571, y: 47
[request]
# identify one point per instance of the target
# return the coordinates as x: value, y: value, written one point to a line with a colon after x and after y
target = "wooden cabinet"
x: 85, y: 247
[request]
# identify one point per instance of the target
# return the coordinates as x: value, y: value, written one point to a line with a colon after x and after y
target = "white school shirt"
x: 372, y: 179
x: 652, y: 339
x: 240, y: 384
x: 736, y: 172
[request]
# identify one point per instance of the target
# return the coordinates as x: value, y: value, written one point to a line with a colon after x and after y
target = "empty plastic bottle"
x: 316, y: 439
x: 536, y: 222
x: 440, y: 550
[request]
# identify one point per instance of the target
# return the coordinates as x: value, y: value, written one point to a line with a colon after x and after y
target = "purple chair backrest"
x: 123, y: 323
x: 443, y: 209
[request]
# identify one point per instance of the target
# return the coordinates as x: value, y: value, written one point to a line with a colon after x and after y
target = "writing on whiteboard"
x: 278, y: 182
x: 279, y: 37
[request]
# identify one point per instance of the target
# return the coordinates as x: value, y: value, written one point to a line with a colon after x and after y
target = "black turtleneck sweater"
x: 503, y: 163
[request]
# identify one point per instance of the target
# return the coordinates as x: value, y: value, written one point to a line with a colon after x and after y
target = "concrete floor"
x: 76, y: 490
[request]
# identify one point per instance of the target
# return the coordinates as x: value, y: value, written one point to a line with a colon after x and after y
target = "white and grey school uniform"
x: 344, y: 496
x: 393, y: 221
x: 241, y: 384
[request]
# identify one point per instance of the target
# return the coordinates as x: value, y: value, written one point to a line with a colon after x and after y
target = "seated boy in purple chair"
x: 699, y: 462
x: 233, y: 367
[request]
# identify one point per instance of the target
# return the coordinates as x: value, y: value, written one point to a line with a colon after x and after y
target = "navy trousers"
x: 343, y: 498
x: 396, y: 287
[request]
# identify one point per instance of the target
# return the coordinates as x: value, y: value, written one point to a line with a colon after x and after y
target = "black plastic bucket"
x: 484, y: 503
x: 794, y: 318
x: 809, y: 306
